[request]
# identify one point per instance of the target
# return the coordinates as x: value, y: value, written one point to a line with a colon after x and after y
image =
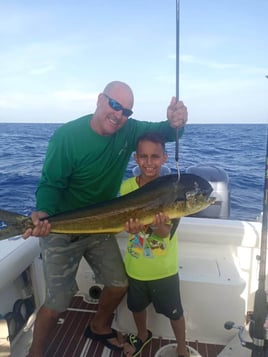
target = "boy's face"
x: 150, y: 157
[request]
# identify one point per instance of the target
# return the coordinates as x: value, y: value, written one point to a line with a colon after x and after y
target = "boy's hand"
x: 161, y: 225
x: 134, y: 226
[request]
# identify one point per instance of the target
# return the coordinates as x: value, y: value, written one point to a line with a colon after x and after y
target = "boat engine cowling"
x: 219, y: 180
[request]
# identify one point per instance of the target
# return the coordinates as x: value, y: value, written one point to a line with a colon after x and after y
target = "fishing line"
x: 177, y: 80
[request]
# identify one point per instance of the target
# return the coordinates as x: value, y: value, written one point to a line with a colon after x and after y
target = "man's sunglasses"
x: 117, y: 106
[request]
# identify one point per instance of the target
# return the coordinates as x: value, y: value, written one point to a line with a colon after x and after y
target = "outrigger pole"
x: 257, y: 328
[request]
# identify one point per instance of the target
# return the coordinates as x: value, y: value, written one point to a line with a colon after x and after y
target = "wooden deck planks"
x: 67, y: 339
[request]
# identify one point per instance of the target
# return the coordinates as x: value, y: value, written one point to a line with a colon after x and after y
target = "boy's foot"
x: 134, y: 345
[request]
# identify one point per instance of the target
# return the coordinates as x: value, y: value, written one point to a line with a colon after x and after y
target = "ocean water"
x: 238, y: 149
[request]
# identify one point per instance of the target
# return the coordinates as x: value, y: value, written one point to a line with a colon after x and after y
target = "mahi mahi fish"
x: 175, y: 198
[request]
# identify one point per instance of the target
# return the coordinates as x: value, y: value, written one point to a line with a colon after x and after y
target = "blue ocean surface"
x: 239, y: 149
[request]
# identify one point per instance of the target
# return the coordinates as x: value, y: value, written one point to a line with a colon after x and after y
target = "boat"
x: 219, y: 279
x: 221, y: 262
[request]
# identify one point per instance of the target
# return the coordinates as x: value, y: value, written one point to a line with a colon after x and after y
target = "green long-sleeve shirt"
x: 82, y: 167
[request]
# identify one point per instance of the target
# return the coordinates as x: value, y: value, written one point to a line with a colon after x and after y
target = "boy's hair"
x: 154, y: 137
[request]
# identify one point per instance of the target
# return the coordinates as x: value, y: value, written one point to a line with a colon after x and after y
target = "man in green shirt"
x: 85, y: 163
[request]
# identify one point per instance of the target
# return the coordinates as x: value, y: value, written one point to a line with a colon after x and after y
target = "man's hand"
x: 41, y: 228
x: 177, y: 113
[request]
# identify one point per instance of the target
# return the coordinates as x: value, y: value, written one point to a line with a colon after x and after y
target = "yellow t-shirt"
x: 149, y: 257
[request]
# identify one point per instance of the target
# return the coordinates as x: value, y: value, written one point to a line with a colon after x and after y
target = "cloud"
x: 74, y: 95
x: 192, y: 60
x: 64, y: 98
x: 43, y: 69
x: 188, y: 59
x: 58, y: 106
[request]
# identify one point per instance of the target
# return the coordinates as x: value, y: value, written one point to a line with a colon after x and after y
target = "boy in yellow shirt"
x: 151, y: 258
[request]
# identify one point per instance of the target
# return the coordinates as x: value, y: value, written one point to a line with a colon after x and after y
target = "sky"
x: 56, y: 56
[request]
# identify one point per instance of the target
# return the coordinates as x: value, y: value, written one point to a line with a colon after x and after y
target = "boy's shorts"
x: 61, y: 256
x: 163, y: 293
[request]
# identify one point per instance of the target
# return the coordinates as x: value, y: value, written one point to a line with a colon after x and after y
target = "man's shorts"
x: 163, y: 293
x: 61, y: 256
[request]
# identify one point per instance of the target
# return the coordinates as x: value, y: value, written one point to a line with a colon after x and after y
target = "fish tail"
x: 10, y: 224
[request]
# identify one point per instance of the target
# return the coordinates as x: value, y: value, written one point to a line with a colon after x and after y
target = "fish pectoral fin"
x: 175, y: 223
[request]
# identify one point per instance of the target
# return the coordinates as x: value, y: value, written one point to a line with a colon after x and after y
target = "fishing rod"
x: 258, y: 326
x: 177, y: 79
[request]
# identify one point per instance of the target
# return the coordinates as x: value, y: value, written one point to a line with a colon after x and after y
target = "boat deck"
x: 67, y: 339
